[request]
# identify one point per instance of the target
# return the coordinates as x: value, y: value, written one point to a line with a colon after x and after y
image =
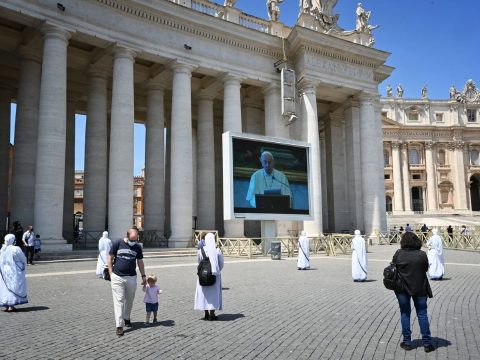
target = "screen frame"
x: 228, y: 191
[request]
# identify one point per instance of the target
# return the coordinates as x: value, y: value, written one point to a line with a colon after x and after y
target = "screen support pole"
x: 269, y: 234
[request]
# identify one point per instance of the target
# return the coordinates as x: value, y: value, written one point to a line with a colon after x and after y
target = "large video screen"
x: 265, y: 178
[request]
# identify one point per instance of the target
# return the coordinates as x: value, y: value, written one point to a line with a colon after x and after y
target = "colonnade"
x: 42, y: 185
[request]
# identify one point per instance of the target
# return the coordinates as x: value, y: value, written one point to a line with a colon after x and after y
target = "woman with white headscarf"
x: 436, y: 258
x: 303, y: 262
x: 209, y: 298
x: 13, y: 285
x: 104, y: 245
x: 359, y: 258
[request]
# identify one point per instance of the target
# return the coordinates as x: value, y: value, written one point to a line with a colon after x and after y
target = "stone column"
x: 6, y: 94
x: 154, y: 203
x: 181, y: 186
x: 353, y: 163
x: 232, y: 121
x: 26, y: 125
x: 168, y: 163
x: 338, y: 218
x: 120, y: 178
x: 431, y: 177
x: 69, y: 188
x: 372, y: 167
x: 407, y: 195
x: 68, y: 198
x: 310, y: 118
x: 274, y: 124
x: 460, y: 187
x: 96, y: 152
x: 205, y: 164
x: 397, y: 178
x: 50, y: 165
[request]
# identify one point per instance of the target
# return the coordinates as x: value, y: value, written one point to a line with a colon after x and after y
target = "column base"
x: 181, y: 242
x: 52, y: 245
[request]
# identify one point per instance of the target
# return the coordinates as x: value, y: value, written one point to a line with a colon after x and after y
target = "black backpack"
x: 392, y: 279
x: 204, y: 271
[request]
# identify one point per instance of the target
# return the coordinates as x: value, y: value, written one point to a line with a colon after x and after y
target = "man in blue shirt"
x: 124, y: 256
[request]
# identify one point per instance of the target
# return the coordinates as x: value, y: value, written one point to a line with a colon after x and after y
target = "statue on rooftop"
x: 424, y: 92
x: 322, y: 10
x: 273, y: 9
x: 389, y: 91
x: 229, y: 3
x: 399, y: 90
x: 453, y: 92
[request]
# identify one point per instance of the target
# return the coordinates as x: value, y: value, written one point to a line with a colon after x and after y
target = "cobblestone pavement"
x: 271, y: 311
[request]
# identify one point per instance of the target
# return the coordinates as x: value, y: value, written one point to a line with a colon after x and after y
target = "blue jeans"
x: 420, y: 303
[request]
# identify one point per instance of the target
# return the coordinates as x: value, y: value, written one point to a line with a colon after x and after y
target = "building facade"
x: 191, y: 70
x: 431, y: 152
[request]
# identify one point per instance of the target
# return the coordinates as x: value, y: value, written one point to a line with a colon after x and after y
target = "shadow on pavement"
x: 229, y: 317
x: 436, y: 342
x: 32, y: 308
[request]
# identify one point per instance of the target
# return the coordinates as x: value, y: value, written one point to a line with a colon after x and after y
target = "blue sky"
x: 432, y: 42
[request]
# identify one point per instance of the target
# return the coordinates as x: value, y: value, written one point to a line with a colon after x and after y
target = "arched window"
x: 386, y: 160
x: 474, y: 157
x: 413, y: 157
x: 441, y: 157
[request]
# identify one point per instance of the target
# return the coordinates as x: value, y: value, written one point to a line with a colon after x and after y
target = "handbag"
x: 106, y: 274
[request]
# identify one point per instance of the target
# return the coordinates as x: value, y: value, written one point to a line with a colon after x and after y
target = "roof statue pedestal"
x: 318, y: 15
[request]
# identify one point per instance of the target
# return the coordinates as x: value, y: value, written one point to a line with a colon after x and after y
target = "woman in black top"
x: 412, y: 265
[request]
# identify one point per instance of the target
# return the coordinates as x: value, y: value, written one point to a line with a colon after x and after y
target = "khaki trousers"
x: 123, y: 291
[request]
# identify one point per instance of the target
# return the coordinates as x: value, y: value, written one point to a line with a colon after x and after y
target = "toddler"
x: 151, y: 298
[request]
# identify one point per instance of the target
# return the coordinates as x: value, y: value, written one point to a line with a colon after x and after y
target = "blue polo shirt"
x: 125, y: 257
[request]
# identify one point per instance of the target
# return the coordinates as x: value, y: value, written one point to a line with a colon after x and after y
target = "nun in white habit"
x: 436, y: 259
x: 104, y: 245
x: 303, y: 262
x: 209, y: 298
x: 359, y: 258
x: 13, y: 285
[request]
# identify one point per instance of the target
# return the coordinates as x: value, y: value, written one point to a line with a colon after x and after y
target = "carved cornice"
x: 191, y: 28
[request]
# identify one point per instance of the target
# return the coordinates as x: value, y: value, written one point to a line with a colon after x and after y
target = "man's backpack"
x: 204, y: 271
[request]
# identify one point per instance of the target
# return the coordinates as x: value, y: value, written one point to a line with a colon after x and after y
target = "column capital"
x: 30, y: 53
x: 154, y: 86
x: 232, y: 79
x: 271, y: 87
x: 204, y: 95
x: 307, y: 86
x: 98, y: 72
x: 182, y: 67
x: 368, y: 98
x: 404, y: 145
x: 119, y: 52
x: 396, y: 144
x: 456, y: 145
x: 52, y: 31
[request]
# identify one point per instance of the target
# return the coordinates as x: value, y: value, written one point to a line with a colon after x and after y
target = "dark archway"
x: 388, y: 202
x: 417, y: 198
x: 475, y: 192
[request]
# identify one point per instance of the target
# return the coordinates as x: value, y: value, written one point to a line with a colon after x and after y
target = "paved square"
x: 271, y: 311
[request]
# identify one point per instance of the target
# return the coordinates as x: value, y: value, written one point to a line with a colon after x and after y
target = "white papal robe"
x: 436, y: 258
x: 13, y: 285
x: 359, y: 259
x: 210, y: 297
